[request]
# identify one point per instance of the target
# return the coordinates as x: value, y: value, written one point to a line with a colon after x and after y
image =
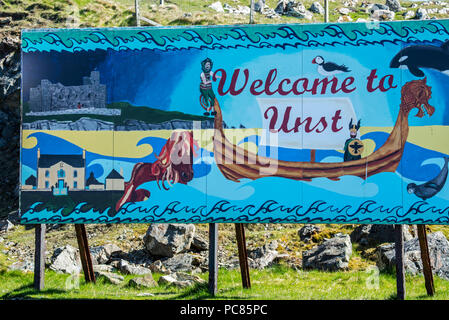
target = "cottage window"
x: 75, y: 173
x: 47, y: 173
x: 75, y: 184
x: 47, y: 184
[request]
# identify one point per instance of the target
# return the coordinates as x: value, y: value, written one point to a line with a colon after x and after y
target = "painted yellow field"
x: 124, y: 143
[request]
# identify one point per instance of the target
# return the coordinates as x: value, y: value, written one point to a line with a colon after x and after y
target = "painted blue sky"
x: 170, y: 80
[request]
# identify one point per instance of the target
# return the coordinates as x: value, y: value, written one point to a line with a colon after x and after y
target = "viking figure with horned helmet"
x: 353, y: 146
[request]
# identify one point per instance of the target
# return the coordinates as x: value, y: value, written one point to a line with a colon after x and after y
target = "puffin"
x: 430, y: 188
x: 329, y: 68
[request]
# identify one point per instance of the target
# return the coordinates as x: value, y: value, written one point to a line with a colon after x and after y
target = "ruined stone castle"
x: 54, y: 96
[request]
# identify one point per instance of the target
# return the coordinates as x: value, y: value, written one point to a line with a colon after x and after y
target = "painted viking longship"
x: 236, y: 163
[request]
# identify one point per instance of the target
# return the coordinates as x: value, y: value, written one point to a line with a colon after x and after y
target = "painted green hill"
x: 128, y: 112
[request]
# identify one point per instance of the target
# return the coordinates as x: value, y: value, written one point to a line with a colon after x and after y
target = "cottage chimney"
x: 121, y: 171
x: 38, y: 153
x: 84, y: 154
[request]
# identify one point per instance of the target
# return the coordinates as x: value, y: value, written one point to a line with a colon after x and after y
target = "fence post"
x: 400, y: 269
x: 39, y: 256
x: 213, y: 255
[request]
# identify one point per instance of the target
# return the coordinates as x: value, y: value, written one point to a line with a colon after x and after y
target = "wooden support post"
x: 326, y: 11
x: 39, y: 257
x: 137, y: 13
x: 213, y: 258
x: 86, y: 259
x: 425, y: 257
x: 400, y: 269
x: 243, y: 255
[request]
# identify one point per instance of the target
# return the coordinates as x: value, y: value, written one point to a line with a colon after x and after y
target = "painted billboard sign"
x: 319, y: 123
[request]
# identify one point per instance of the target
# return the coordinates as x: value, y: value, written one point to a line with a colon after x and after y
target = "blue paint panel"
x: 133, y: 89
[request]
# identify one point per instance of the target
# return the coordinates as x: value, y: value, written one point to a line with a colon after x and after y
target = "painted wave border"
x: 230, y: 36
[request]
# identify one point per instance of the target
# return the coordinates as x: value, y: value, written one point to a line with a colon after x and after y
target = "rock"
x: 306, y: 233
x: 382, y: 15
x: 143, y: 282
x: 179, y: 262
x: 344, y: 19
x: 199, y: 244
x: 442, y: 11
x: 6, y: 226
x: 217, y: 6
x: 438, y: 250
x: 168, y: 239
x: 102, y: 254
x: 103, y: 268
x: 180, y: 279
x: 333, y: 254
x: 66, y: 260
x: 409, y: 14
x: 344, y: 11
x: 128, y: 268
x: 264, y: 256
x: 259, y: 6
x: 24, y: 266
x: 109, y: 277
x: 316, y: 7
x: 421, y: 14
x: 393, y: 5
x: 369, y: 234
x: 294, y: 9
x: 350, y: 3
x: 158, y: 267
x: 377, y: 6
x: 5, y: 20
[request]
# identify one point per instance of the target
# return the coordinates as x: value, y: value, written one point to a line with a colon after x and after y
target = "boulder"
x: 109, y: 277
x: 103, y: 268
x: 167, y: 240
x: 217, y: 6
x: 377, y: 6
x: 24, y: 266
x: 180, y: 262
x: 438, y: 250
x: 158, y: 267
x: 143, y: 282
x: 344, y: 19
x: 421, y: 14
x: 393, y: 5
x: 344, y: 11
x: 6, y: 225
x: 264, y: 256
x: 259, y: 6
x: 66, y: 260
x: 306, y: 233
x: 332, y: 255
x: 409, y: 15
x: 102, y: 254
x: 316, y: 7
x: 180, y: 279
x: 382, y: 15
x: 370, y: 234
x: 128, y: 268
x: 199, y: 244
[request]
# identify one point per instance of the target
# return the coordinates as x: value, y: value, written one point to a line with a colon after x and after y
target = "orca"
x: 423, y: 56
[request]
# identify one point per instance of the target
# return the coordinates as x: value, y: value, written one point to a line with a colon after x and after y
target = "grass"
x: 282, y: 283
